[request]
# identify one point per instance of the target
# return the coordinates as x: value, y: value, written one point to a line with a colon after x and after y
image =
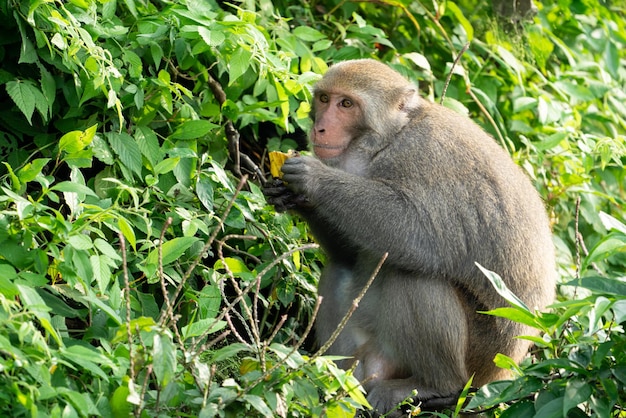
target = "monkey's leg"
x: 421, y: 341
x: 335, y: 289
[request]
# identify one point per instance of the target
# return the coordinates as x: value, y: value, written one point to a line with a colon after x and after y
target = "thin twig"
x: 449, y: 78
x: 295, y: 348
x: 206, y: 247
x: 229, y: 305
x: 129, y: 334
x: 160, y: 273
x: 229, y: 129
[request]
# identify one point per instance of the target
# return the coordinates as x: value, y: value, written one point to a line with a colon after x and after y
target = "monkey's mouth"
x: 325, y: 151
x: 325, y: 146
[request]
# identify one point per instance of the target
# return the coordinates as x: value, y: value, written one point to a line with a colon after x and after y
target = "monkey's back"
x: 481, y: 206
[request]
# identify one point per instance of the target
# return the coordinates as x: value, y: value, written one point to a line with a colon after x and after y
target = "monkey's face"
x: 336, y: 117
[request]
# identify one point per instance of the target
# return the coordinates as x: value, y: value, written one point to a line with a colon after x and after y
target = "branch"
x: 233, y: 136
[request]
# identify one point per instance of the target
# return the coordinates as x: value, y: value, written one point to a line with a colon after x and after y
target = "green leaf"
x: 166, y: 165
x: 603, y: 285
x: 502, y: 289
x: 238, y: 64
x: 469, y: 29
x: 134, y: 63
x: 577, y: 391
x: 119, y: 405
x: 23, y: 95
x: 80, y: 242
x: 68, y: 186
x: 611, y: 222
x: 612, y: 59
x: 101, y: 272
x: 204, y: 190
x: 87, y: 358
x: 172, y: 250
x: 106, y: 249
x: 551, y: 141
x: 31, y: 170
x: 148, y: 144
x: 228, y: 352
x: 193, y: 129
x: 76, y: 141
x: 163, y: 358
x: 92, y: 299
x: 308, y: 34
x: 514, y: 314
x: 126, y: 149
x: 211, y: 38
x: 203, y: 326
x: 127, y: 231
x: 235, y: 265
x: 258, y: 404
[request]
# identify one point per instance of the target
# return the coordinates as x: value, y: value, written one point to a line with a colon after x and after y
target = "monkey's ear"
x: 409, y: 100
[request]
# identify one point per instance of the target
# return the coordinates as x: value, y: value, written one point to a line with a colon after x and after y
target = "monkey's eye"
x: 347, y: 103
x: 324, y: 98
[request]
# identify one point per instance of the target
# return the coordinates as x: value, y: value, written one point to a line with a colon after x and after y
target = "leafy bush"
x: 141, y: 271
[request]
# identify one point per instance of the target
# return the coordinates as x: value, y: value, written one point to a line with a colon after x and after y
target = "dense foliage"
x: 142, y: 272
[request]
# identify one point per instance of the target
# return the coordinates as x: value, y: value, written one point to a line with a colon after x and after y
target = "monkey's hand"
x: 282, y: 198
x: 301, y: 174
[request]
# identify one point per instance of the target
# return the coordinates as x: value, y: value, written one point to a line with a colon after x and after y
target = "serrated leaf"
x: 126, y: 149
x: 22, y: 95
x: 101, y: 272
x: 80, y: 242
x: 238, y: 64
x: 148, y: 144
x: 193, y: 129
x: 211, y: 38
x: 106, y: 249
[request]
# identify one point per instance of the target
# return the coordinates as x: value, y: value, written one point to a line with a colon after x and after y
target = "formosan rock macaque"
x: 397, y: 174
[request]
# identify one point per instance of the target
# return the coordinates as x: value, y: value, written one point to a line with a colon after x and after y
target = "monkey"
x: 396, y: 174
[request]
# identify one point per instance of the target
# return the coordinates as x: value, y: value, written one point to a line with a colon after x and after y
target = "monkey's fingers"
x: 440, y: 403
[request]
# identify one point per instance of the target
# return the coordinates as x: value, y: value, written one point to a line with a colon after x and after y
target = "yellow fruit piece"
x: 277, y: 159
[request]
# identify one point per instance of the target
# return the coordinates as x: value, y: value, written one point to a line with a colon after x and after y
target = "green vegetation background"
x: 142, y: 272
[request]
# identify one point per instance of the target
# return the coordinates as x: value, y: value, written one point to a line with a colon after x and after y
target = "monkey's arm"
x: 284, y: 199
x: 379, y: 217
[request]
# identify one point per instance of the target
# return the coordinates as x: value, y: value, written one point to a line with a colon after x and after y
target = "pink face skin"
x: 336, y: 114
